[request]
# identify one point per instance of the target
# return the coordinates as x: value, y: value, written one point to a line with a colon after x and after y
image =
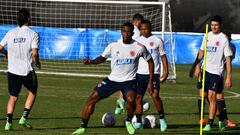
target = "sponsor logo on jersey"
x: 211, y: 49
x: 124, y: 61
x: 19, y: 40
x: 217, y: 43
x: 132, y: 53
x: 150, y: 51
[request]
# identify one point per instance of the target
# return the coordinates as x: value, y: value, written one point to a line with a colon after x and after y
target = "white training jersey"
x: 217, y: 50
x: 136, y: 33
x: 156, y: 48
x: 124, y: 59
x: 20, y: 42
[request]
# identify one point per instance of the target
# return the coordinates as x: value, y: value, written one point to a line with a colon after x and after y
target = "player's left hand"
x: 228, y: 83
x: 163, y: 78
x: 150, y: 88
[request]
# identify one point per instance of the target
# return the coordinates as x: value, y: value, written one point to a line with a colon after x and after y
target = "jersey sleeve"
x: 4, y: 41
x: 145, y: 54
x: 107, y: 52
x: 35, y: 41
x: 203, y: 43
x: 227, y: 49
x: 162, y: 49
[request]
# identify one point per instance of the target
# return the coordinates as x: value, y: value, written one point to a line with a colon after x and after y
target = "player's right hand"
x: 86, y: 61
x: 38, y: 65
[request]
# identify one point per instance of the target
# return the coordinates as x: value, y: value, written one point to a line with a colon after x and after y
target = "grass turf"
x: 60, y: 100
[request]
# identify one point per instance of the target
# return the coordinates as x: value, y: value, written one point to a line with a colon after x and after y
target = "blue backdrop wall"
x: 75, y: 44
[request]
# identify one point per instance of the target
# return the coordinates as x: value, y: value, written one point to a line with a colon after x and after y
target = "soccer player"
x: 155, y: 47
x: 22, y: 49
x: 125, y: 55
x: 136, y: 21
x: 199, y: 86
x: 218, y: 50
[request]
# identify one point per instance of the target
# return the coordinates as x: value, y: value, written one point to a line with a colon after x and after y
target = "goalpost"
x: 72, y: 30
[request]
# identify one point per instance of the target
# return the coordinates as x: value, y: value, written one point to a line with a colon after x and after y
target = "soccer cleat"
x: 118, y: 110
x: 24, y: 122
x: 79, y: 131
x: 163, y: 124
x: 230, y: 123
x: 8, y: 126
x: 204, y: 122
x: 120, y: 106
x: 222, y: 125
x: 130, y: 128
x: 138, y: 125
x: 207, y: 128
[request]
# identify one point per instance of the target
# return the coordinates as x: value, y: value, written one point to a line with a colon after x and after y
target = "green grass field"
x: 60, y: 100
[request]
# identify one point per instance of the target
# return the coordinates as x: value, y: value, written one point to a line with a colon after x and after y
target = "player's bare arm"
x: 3, y: 51
x: 35, y: 57
x: 97, y: 60
x: 165, y: 68
x: 195, y: 69
x: 151, y: 72
x: 228, y: 82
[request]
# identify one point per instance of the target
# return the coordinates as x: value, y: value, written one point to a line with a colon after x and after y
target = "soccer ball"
x: 152, y: 120
x: 108, y: 119
x: 146, y: 123
x: 146, y: 105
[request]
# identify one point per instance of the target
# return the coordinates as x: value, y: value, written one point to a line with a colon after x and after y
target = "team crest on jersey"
x: 217, y: 43
x: 151, y: 44
x: 132, y: 53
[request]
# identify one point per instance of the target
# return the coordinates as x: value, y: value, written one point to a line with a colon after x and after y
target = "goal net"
x: 72, y: 30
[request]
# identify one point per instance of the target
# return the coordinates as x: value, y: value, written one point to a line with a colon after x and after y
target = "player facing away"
x: 22, y: 49
x: 136, y: 21
x: 199, y: 86
x: 155, y: 47
x: 125, y: 55
x: 218, y: 50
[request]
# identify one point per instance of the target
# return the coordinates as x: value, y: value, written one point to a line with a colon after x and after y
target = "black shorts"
x: 142, y: 83
x: 107, y: 87
x: 212, y: 82
x: 15, y: 83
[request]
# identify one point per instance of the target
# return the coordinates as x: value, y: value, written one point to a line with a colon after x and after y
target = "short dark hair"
x: 138, y: 17
x: 23, y: 16
x: 147, y: 22
x: 217, y: 19
x: 128, y: 24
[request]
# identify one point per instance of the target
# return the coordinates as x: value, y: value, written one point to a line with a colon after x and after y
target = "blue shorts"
x: 107, y: 87
x: 15, y: 83
x: 212, y: 82
x: 142, y: 83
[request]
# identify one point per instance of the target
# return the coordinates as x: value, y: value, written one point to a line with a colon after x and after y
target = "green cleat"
x: 130, y: 128
x: 138, y: 125
x: 120, y: 106
x: 222, y: 125
x: 163, y: 125
x: 207, y: 128
x: 24, y: 122
x: 118, y: 110
x: 8, y: 126
x: 79, y: 131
